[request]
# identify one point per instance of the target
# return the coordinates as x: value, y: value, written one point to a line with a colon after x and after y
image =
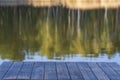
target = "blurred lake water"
x: 59, y: 34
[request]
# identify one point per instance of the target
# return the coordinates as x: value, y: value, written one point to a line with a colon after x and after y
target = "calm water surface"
x: 59, y: 34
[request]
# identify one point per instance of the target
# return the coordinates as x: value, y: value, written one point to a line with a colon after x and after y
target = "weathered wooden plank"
x: 50, y: 71
x: 4, y: 68
x: 109, y: 71
x: 86, y: 71
x: 98, y: 72
x: 38, y: 71
x: 13, y: 71
x: 74, y: 71
x: 59, y: 71
x: 26, y: 70
x: 115, y: 67
x: 62, y: 71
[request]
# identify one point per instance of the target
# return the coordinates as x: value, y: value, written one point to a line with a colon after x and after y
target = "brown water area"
x: 73, y: 4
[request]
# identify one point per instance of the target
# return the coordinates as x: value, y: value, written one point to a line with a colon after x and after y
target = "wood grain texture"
x: 86, y: 71
x: 115, y: 67
x: 62, y: 71
x: 98, y: 72
x: 13, y: 71
x: 50, y: 71
x: 4, y: 69
x: 109, y: 71
x: 59, y: 71
x: 74, y: 71
x: 38, y: 71
x: 26, y: 70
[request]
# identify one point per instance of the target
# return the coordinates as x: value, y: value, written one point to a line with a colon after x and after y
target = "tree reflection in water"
x: 58, y: 32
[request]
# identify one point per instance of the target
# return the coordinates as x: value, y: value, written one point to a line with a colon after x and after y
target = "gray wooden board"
x: 74, y: 71
x: 59, y: 71
x: 98, y: 71
x: 62, y: 71
x: 4, y: 68
x: 13, y: 71
x: 38, y: 71
x: 26, y: 70
x: 86, y: 71
x: 115, y: 67
x: 50, y: 71
x: 109, y: 71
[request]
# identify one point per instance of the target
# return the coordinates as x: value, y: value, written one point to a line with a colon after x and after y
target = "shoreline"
x: 72, y: 4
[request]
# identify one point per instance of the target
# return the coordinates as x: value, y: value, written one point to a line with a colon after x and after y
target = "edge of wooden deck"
x: 59, y: 71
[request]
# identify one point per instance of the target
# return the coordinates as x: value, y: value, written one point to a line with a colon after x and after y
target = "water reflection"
x: 58, y: 33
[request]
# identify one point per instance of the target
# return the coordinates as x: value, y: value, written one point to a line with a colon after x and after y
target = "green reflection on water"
x: 58, y: 30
